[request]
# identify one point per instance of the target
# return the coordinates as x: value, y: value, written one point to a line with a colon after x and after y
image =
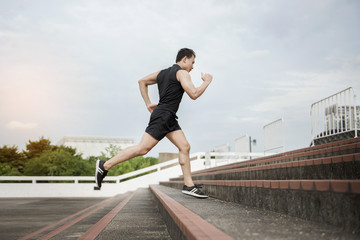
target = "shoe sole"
x: 194, y: 194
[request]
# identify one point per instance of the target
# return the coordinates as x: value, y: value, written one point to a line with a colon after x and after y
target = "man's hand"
x: 151, y: 107
x: 186, y: 83
x: 206, y: 77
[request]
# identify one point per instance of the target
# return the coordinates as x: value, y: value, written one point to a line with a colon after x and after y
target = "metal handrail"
x: 333, y: 115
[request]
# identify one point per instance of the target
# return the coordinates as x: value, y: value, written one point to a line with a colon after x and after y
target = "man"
x: 172, y: 82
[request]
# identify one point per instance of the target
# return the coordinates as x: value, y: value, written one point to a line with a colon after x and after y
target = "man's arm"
x: 193, y: 92
x: 143, y: 85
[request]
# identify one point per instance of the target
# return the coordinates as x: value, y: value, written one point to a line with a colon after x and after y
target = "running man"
x: 172, y: 82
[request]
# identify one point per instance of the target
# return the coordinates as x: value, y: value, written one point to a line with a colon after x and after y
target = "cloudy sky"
x: 71, y: 67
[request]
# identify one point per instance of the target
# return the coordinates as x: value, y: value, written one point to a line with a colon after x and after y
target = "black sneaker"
x: 194, y: 191
x: 100, y: 172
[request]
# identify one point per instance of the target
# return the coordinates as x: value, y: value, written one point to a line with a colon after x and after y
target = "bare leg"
x: 179, y: 140
x: 146, y: 144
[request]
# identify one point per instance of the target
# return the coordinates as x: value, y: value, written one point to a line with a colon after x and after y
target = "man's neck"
x: 179, y: 63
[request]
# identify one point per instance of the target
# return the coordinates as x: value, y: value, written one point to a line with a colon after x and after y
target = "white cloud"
x: 258, y: 53
x: 17, y: 125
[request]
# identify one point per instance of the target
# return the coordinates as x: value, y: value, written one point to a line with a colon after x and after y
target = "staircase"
x: 320, y: 184
x: 310, y: 193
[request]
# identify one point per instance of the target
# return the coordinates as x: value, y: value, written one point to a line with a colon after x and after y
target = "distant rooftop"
x: 94, y: 145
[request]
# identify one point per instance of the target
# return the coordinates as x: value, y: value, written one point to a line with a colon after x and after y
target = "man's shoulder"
x: 182, y: 75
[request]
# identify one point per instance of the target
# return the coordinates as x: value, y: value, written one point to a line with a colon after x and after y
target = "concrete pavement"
x: 22, y: 216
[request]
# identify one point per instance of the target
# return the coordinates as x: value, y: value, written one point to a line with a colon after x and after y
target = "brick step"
x: 138, y: 219
x: 191, y: 218
x: 339, y: 167
x: 183, y: 223
x: 334, y: 202
x: 335, y: 151
x: 321, y: 146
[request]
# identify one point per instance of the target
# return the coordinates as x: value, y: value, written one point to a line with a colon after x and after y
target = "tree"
x: 43, y: 159
x: 69, y: 149
x: 8, y: 170
x: 111, y: 151
x: 58, y: 162
x: 10, y: 156
x: 35, y: 148
x: 133, y: 164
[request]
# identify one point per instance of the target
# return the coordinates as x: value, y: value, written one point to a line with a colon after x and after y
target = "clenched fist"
x: 206, y: 77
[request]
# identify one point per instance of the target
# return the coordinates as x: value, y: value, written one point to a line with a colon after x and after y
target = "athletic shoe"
x: 194, y: 191
x: 100, y: 172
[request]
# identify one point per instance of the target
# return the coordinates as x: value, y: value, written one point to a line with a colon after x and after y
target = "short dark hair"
x: 185, y: 52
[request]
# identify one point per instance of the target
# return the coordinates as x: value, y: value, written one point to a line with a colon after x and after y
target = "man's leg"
x: 146, y: 144
x: 179, y: 140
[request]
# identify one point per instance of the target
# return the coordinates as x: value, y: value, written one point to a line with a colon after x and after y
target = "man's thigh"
x: 148, y: 141
x: 178, y: 139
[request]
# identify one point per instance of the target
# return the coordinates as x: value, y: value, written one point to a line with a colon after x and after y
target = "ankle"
x: 106, y: 166
x: 189, y: 184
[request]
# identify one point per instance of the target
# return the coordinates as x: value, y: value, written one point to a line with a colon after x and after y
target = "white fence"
x: 214, y: 159
x: 84, y: 186
x: 334, y: 115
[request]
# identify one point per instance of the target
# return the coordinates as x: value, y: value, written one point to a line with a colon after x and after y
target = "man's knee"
x: 184, y: 152
x: 143, y: 150
x: 185, y: 148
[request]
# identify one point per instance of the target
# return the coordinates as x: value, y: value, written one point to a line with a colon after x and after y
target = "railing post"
x: 312, y: 124
x: 207, y: 160
x: 355, y: 114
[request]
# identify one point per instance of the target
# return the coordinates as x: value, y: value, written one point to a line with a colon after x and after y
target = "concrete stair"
x: 310, y: 193
x: 318, y: 184
x: 189, y: 218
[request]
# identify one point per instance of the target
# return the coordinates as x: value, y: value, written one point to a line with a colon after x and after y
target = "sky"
x: 71, y: 67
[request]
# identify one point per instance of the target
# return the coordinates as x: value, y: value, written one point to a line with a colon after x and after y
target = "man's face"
x: 189, y: 63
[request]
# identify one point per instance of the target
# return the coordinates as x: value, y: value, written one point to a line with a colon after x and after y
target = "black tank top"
x: 170, y: 89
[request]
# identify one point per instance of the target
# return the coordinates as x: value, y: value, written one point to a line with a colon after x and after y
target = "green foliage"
x: 35, y: 148
x: 43, y: 159
x: 10, y: 156
x: 58, y: 162
x: 132, y: 165
x: 8, y: 170
x: 110, y: 151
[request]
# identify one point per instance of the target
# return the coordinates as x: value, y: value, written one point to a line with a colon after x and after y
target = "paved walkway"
x: 22, y: 216
x: 72, y: 218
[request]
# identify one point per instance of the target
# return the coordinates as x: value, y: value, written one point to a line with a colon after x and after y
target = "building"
x: 94, y: 146
x: 340, y: 122
x: 342, y: 118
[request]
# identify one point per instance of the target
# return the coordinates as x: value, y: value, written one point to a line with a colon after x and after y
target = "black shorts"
x: 161, y: 123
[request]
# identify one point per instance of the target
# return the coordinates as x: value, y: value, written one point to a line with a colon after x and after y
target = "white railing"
x: 334, y: 115
x: 214, y: 159
x: 66, y: 186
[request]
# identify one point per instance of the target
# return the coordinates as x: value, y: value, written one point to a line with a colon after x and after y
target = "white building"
x: 342, y: 118
x: 93, y: 146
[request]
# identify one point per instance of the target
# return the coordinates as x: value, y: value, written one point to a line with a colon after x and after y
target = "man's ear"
x: 184, y: 59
